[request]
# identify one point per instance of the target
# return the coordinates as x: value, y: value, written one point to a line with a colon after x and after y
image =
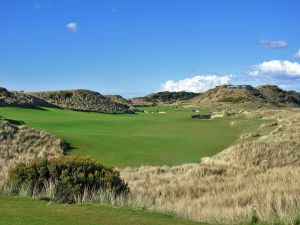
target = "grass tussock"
x: 49, y: 193
x: 255, y: 181
x: 20, y: 143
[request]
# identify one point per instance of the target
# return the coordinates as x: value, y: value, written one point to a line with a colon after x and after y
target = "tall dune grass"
x: 254, y: 181
x: 48, y: 192
x: 20, y: 143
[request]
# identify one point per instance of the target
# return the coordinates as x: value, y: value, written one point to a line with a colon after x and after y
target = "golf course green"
x: 169, y: 138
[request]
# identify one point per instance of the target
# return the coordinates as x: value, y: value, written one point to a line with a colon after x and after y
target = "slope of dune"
x: 20, y: 99
x: 263, y: 96
x: 20, y: 143
x: 83, y: 100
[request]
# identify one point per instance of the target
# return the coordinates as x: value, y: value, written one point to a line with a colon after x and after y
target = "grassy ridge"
x: 132, y: 140
x: 33, y: 212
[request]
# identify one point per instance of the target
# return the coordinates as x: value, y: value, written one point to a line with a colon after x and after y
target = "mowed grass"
x: 23, y: 211
x: 138, y: 139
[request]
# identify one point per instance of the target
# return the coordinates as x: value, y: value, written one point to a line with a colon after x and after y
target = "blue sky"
x: 134, y: 47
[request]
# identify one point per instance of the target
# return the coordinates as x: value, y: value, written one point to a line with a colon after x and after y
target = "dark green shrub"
x: 70, y: 175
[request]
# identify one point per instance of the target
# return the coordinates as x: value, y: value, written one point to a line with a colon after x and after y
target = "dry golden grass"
x: 279, y: 148
x: 257, y: 179
x: 217, y: 194
x: 20, y: 143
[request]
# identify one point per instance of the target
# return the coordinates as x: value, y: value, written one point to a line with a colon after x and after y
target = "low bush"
x: 70, y: 177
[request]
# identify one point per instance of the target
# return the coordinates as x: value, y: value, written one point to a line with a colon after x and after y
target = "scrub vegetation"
x: 67, y: 179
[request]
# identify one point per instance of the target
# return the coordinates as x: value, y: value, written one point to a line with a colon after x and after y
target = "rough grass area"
x: 171, y: 138
x: 33, y: 212
x: 254, y: 181
x: 217, y: 194
x: 20, y: 143
x: 281, y: 147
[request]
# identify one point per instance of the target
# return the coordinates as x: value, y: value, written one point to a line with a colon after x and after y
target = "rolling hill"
x: 143, y: 101
x: 262, y: 96
x: 83, y: 100
x: 80, y: 100
x: 119, y: 99
x: 171, y: 97
x: 164, y: 97
x: 20, y: 99
x: 278, y: 96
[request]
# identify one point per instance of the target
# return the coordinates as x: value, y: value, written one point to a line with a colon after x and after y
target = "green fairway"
x: 136, y: 139
x: 22, y: 211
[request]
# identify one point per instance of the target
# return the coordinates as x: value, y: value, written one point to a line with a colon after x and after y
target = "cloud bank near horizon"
x: 279, y: 69
x: 196, y: 84
x: 283, y: 73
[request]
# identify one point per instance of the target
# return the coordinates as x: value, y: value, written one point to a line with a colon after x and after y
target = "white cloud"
x: 72, y: 26
x: 297, y: 54
x: 196, y: 84
x: 277, y: 69
x: 273, y: 44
